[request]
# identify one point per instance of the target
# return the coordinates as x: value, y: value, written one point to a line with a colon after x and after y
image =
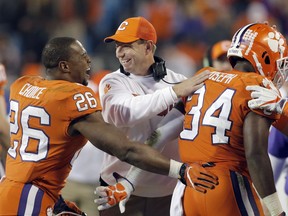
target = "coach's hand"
x: 113, y: 194
x: 197, y: 177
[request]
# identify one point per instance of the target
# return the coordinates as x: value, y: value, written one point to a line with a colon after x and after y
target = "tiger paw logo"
x: 275, y: 42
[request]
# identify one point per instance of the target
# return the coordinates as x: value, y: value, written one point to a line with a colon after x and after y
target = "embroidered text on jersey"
x: 31, y: 91
x: 222, y: 77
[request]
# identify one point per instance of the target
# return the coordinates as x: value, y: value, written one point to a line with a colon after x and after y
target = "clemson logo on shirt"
x: 107, y: 88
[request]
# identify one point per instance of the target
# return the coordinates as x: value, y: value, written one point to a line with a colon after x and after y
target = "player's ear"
x: 63, y: 66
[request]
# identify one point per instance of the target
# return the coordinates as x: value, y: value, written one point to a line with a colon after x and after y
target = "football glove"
x: 197, y: 177
x: 66, y: 208
x: 113, y: 194
x: 267, y: 97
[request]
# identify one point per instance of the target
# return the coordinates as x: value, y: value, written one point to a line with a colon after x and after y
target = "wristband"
x: 182, y: 173
x: 174, y: 170
x: 273, y: 204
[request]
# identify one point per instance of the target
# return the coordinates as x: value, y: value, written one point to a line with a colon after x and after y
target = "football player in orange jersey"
x: 222, y: 133
x: 220, y: 128
x: 51, y: 119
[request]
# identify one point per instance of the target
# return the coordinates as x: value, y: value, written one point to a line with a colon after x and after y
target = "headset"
x: 157, y: 69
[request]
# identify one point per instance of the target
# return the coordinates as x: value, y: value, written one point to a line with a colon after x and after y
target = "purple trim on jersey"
x: 237, y: 193
x: 38, y: 202
x: 277, y: 143
x: 250, y: 196
x: 23, y: 200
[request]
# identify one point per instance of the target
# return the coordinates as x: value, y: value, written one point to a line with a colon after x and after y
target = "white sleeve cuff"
x: 273, y: 204
x: 174, y: 169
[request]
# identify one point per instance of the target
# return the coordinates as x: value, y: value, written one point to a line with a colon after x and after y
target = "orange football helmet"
x: 264, y: 47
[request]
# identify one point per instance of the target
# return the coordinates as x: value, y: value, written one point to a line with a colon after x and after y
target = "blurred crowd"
x: 185, y: 28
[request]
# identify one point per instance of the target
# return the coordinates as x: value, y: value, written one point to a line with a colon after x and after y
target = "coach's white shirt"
x: 134, y: 103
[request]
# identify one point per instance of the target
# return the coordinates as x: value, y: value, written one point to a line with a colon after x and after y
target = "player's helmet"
x: 264, y: 47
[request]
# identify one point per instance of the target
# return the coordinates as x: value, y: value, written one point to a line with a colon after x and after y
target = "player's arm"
x: 112, y: 140
x: 255, y: 133
x: 168, y: 129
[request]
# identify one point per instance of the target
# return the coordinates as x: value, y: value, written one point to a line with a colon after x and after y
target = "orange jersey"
x: 213, y: 125
x: 41, y: 149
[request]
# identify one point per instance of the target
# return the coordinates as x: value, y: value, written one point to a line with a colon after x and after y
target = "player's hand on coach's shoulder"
x: 198, y: 177
x: 113, y: 194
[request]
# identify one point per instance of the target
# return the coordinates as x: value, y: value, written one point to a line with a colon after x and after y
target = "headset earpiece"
x: 158, y: 69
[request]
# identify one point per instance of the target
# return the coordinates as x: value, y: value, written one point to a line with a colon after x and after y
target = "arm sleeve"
x: 122, y: 107
x: 168, y: 129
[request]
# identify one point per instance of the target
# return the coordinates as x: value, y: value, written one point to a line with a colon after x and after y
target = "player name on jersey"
x: 31, y: 91
x: 222, y: 77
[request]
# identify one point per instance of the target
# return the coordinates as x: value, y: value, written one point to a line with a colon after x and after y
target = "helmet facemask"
x: 282, y: 72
